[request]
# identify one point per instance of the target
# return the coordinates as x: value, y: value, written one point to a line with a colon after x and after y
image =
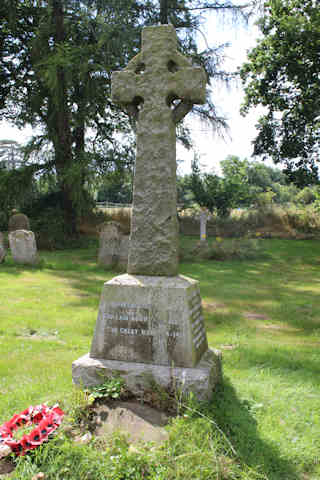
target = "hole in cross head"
x: 172, y: 66
x: 138, y: 102
x: 140, y: 69
x: 173, y: 101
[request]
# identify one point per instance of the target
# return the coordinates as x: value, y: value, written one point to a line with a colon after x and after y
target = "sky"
x: 210, y: 148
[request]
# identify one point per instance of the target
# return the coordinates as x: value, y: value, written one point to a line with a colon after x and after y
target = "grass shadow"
x: 235, y: 417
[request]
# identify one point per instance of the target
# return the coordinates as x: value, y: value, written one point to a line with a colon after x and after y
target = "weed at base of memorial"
x: 113, y: 388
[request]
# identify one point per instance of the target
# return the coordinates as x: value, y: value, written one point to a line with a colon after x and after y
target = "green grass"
x: 264, y: 314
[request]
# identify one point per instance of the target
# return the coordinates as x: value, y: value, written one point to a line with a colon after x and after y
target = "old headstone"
x: 23, y: 247
x: 150, y: 326
x: 109, y: 244
x: 18, y: 221
x: 113, y: 246
x: 3, y: 249
x: 204, y: 217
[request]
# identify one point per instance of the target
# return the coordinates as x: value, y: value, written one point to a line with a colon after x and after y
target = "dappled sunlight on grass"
x: 263, y: 314
x: 306, y: 288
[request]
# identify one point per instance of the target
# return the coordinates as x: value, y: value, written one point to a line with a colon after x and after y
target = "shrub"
x: 265, y: 199
x: 48, y: 227
x: 225, y: 249
x: 305, y: 220
x: 3, y: 221
x: 237, y: 248
x: 306, y: 196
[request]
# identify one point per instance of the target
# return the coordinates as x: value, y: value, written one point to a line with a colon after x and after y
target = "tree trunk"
x: 61, y: 127
x: 164, y: 11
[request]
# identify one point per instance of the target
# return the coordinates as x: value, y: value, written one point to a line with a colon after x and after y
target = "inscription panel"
x: 152, y: 320
x: 199, y: 336
x: 135, y: 333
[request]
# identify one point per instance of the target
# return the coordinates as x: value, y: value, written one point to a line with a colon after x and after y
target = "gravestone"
x: 109, y: 244
x: 204, y: 217
x: 18, y: 221
x: 150, y: 326
x: 23, y: 247
x: 3, y: 249
x: 113, y: 246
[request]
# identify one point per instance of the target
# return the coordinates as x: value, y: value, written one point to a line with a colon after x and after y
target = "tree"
x: 243, y: 184
x: 65, y: 50
x: 56, y: 59
x: 211, y: 191
x: 264, y: 176
x: 282, y: 75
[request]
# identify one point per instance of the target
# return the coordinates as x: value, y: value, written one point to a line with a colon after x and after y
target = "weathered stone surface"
x: 23, y: 247
x: 149, y: 84
x: 150, y: 320
x: 138, y: 422
x: 3, y: 250
x: 150, y: 327
x: 109, y: 244
x: 140, y: 377
x: 124, y: 251
x: 204, y: 217
x: 18, y: 221
x: 113, y: 246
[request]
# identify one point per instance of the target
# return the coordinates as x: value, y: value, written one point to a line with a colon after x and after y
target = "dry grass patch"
x: 255, y: 316
x: 279, y: 327
x: 213, y: 306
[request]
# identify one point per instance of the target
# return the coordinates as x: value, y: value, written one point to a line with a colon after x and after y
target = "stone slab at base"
x: 139, y: 377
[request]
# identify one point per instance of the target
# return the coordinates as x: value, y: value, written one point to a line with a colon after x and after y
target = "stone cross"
x: 204, y: 217
x: 159, y: 86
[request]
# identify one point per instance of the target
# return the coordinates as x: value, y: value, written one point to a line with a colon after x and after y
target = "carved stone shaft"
x: 151, y: 83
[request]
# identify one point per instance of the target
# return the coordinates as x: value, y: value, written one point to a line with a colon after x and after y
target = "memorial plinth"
x: 150, y: 326
x: 150, y: 330
x: 150, y: 320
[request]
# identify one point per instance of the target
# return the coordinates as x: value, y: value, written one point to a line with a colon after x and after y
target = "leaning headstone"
x: 109, y: 244
x: 204, y: 217
x: 18, y: 221
x: 3, y: 249
x: 23, y: 247
x: 150, y: 327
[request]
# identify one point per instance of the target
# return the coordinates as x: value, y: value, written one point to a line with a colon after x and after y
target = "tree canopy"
x: 282, y: 75
x: 56, y: 59
x: 242, y: 184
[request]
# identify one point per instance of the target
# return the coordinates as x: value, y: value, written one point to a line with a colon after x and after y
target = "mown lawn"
x: 263, y: 314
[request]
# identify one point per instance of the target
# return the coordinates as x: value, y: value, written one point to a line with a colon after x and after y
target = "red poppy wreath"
x: 46, y: 420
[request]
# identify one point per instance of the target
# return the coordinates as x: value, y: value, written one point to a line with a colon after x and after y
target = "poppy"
x: 47, y: 420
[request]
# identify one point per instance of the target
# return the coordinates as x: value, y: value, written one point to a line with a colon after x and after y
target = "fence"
x: 113, y: 205
x: 123, y: 205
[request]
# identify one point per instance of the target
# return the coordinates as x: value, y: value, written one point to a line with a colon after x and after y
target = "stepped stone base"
x: 139, y: 377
